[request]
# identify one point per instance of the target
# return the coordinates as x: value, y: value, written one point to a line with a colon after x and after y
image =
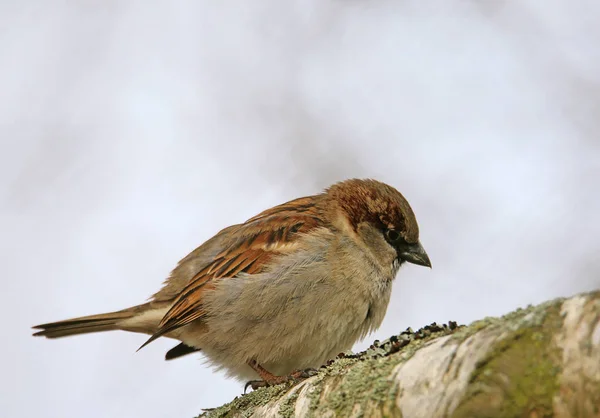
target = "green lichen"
x: 364, y: 380
x: 244, y: 406
x: 519, y: 375
x: 314, y: 388
x: 286, y: 409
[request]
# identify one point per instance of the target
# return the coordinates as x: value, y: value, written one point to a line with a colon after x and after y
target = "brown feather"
x: 83, y: 325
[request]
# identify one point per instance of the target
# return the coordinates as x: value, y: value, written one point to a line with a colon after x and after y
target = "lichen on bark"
x: 520, y: 372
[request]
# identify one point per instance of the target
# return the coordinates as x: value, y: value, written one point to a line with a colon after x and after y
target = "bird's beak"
x: 415, y: 253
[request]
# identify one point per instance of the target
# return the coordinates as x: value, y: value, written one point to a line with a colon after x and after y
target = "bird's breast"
x: 298, y: 315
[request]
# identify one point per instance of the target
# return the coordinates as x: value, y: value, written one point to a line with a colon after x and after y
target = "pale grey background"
x: 133, y: 130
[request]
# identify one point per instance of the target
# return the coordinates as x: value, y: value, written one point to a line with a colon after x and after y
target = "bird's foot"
x: 269, y: 379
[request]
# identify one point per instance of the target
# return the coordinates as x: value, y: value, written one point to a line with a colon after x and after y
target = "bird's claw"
x: 255, y: 384
x: 294, y: 377
x: 303, y: 374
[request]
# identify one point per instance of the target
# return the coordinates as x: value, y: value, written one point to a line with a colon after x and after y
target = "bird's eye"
x: 392, y: 235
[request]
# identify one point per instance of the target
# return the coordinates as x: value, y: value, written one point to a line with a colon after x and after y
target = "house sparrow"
x: 284, y: 291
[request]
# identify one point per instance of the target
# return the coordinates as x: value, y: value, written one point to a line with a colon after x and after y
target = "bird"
x: 283, y: 292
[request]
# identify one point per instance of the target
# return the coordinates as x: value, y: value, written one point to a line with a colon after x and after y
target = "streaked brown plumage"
x: 256, y: 242
x: 285, y: 290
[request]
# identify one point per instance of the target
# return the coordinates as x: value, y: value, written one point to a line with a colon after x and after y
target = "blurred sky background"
x: 131, y: 131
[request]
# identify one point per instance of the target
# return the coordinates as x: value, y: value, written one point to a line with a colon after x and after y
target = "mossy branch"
x: 537, y: 362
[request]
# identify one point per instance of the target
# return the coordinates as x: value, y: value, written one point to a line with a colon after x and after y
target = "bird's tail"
x: 85, y: 324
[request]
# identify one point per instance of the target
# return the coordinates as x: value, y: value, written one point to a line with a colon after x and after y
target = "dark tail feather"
x: 179, y: 351
x: 83, y: 325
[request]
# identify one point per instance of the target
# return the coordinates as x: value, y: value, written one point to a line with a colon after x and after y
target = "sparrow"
x: 283, y: 292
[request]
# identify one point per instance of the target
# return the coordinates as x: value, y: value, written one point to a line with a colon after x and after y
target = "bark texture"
x: 543, y: 361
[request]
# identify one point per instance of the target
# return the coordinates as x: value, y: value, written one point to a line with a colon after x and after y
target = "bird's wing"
x: 251, y: 246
